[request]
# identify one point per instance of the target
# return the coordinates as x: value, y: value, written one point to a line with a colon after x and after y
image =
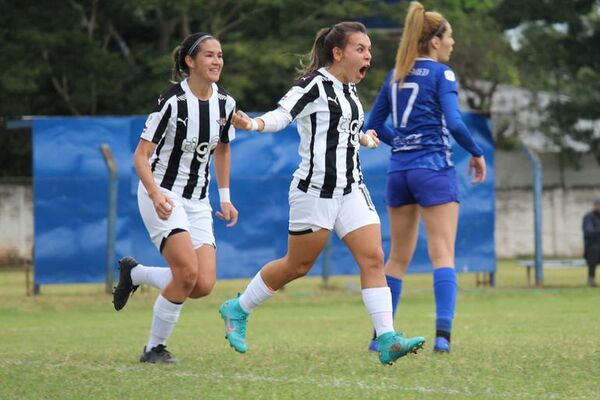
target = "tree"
x: 559, y: 55
x: 93, y: 57
x: 482, y: 56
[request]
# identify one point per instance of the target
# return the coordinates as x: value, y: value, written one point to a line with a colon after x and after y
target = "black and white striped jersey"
x: 187, y: 131
x: 329, y: 116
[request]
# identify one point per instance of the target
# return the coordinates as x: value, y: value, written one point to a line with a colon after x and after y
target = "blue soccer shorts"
x: 425, y: 187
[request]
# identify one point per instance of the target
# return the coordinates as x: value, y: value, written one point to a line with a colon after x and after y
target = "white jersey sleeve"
x: 157, y: 122
x: 228, y: 130
x: 299, y: 101
x: 276, y: 120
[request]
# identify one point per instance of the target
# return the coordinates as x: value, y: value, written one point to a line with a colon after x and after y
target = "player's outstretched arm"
x: 272, y: 121
x: 241, y: 120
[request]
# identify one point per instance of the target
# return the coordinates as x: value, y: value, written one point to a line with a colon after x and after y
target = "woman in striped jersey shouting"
x: 327, y: 191
x: 191, y: 121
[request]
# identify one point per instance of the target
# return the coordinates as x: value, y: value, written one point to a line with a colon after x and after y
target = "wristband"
x: 224, y: 195
x: 254, y: 125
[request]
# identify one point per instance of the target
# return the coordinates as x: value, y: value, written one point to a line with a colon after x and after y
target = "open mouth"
x: 363, y: 71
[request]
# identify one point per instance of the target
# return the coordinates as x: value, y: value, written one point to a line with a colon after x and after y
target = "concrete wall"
x: 567, y: 196
x: 563, y: 211
x: 16, y: 221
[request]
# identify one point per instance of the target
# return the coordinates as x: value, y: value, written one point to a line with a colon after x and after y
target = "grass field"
x: 309, y: 342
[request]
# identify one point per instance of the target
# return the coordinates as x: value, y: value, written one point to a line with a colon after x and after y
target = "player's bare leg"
x: 303, y: 251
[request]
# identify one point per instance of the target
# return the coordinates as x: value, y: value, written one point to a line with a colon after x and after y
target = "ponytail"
x: 420, y: 27
x: 326, y: 40
x: 319, y: 55
x: 178, y: 73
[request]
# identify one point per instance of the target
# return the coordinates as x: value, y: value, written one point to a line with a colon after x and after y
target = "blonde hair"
x: 420, y: 27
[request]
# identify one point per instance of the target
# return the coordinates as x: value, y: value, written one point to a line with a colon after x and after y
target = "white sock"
x: 164, y: 319
x: 257, y: 292
x: 379, y: 305
x: 154, y: 276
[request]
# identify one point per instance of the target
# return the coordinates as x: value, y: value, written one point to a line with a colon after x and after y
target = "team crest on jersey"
x: 222, y: 96
x: 449, y: 75
x: 222, y: 122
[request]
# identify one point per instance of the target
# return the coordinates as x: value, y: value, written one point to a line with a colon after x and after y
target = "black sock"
x: 444, y: 334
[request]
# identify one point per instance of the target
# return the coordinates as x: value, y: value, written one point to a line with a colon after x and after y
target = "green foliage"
x: 114, y: 57
x: 99, y: 58
x: 15, y: 153
x: 482, y: 57
x: 559, y: 55
x: 96, y: 58
x: 512, y: 13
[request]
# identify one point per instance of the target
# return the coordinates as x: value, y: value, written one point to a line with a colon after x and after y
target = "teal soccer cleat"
x: 392, y: 346
x: 235, y: 324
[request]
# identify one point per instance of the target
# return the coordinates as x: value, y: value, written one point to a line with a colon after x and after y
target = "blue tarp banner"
x: 71, y: 202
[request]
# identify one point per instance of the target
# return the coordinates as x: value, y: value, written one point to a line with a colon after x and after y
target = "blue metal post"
x: 112, y: 214
x: 537, y: 213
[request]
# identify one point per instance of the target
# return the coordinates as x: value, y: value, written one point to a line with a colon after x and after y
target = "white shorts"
x: 309, y: 213
x: 194, y: 216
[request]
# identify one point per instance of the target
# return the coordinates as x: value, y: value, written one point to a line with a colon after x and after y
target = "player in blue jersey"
x: 421, y: 96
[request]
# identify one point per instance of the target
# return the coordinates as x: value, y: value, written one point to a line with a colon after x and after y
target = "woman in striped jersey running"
x: 191, y: 121
x: 327, y: 191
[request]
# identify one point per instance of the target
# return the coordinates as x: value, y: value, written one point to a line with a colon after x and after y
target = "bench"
x: 557, y: 263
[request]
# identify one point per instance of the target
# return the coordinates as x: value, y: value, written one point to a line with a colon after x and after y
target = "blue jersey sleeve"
x: 380, y: 112
x: 448, y: 94
x: 446, y: 82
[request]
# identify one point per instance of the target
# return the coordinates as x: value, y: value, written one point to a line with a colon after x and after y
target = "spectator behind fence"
x: 591, y: 241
